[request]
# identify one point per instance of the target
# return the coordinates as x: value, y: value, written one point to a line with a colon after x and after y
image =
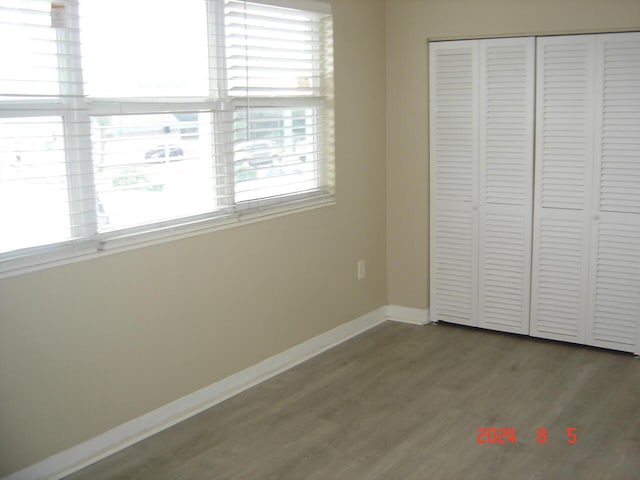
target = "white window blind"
x: 280, y: 79
x: 194, y: 113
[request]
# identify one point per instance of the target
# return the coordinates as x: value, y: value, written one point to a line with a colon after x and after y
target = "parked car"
x: 257, y: 153
x: 160, y: 152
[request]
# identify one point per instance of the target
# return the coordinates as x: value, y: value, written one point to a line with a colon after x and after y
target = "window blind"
x: 280, y: 80
x: 196, y: 111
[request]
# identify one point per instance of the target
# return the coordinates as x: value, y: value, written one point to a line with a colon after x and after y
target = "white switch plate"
x: 362, y: 269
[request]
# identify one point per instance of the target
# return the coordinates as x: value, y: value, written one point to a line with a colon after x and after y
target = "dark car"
x: 164, y: 151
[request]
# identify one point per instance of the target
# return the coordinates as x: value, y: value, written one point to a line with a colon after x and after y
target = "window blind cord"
x: 246, y: 72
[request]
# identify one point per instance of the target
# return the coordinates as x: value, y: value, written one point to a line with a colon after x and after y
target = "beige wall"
x: 409, y: 24
x: 91, y: 345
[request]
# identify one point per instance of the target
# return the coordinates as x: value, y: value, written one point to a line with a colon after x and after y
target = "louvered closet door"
x: 614, y: 293
x: 454, y: 180
x: 506, y: 183
x: 563, y: 173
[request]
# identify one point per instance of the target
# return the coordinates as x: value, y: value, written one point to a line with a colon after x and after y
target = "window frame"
x: 76, y: 110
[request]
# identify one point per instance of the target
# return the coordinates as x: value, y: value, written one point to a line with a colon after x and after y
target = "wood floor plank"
x: 403, y: 401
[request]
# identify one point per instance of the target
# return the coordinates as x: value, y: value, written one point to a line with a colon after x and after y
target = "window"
x: 196, y: 113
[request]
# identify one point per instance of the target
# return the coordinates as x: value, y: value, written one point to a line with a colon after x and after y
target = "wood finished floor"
x: 405, y: 402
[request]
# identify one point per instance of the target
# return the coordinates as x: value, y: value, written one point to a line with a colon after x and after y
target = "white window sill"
x: 48, y: 257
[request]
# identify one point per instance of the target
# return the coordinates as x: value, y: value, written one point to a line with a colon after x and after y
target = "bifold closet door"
x: 481, y: 157
x: 614, y: 289
x: 563, y: 171
x: 506, y: 183
x: 454, y: 179
x: 586, y: 256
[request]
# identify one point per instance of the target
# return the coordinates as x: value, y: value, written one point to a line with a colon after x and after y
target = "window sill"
x: 57, y: 255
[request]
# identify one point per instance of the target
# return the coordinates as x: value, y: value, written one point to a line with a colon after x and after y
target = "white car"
x: 258, y: 153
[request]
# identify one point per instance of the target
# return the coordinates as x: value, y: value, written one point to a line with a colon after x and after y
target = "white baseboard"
x: 118, y: 438
x: 415, y: 316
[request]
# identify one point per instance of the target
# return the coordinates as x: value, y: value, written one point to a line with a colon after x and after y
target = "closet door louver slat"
x: 619, y: 74
x: 561, y: 271
x: 453, y: 267
x: 565, y: 87
x: 615, y: 287
x: 453, y: 138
